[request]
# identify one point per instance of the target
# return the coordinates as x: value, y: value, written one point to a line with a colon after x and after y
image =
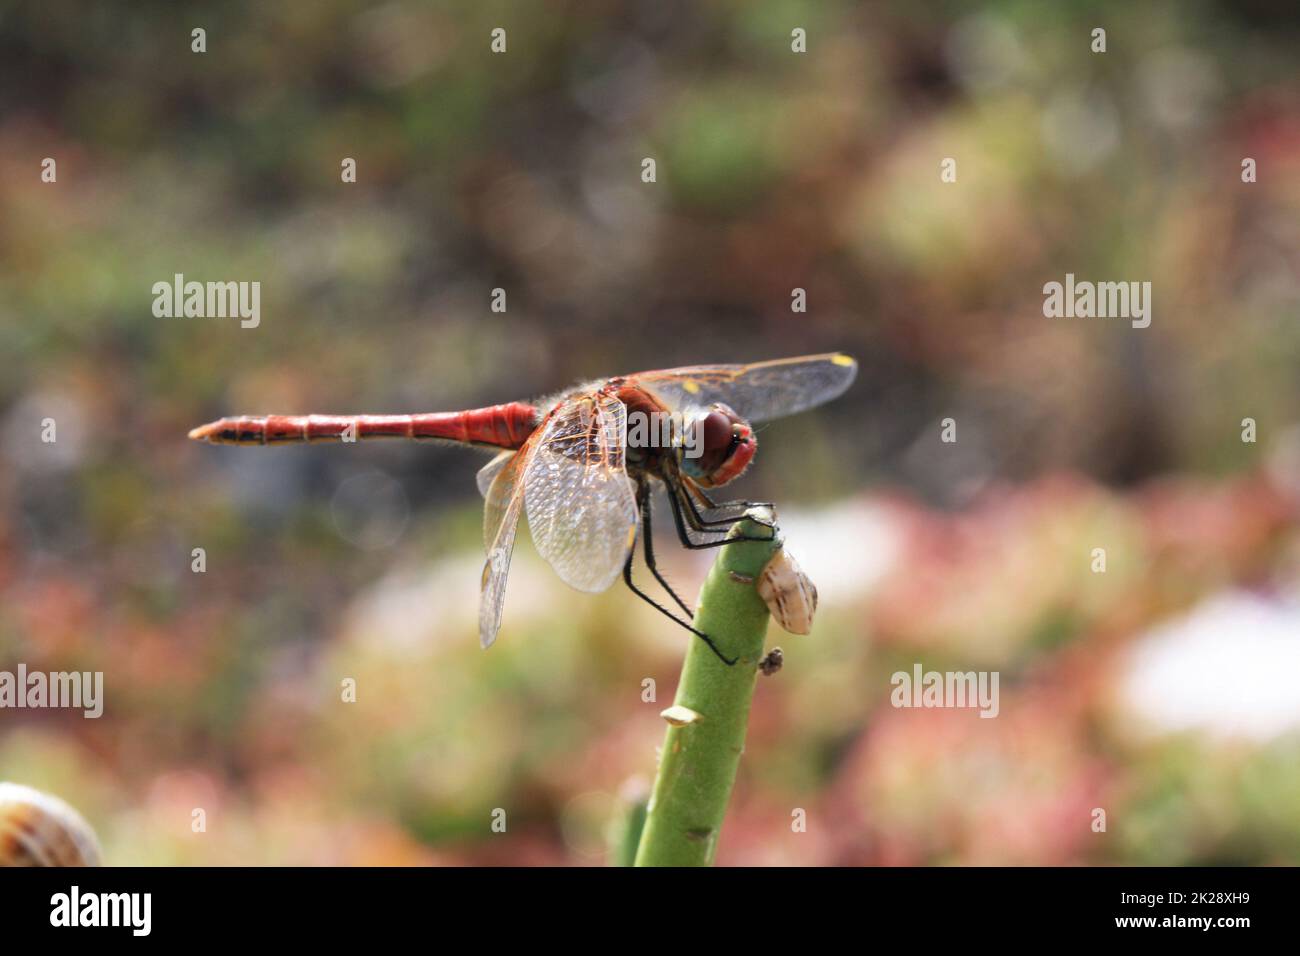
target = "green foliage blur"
x: 1159, y: 690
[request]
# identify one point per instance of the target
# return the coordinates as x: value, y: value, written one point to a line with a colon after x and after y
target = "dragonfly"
x: 584, y: 464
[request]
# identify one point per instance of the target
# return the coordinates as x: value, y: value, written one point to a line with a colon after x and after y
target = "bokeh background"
x: 1163, y: 690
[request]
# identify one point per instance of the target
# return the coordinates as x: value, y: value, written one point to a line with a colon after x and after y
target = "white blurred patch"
x: 617, y: 203
x: 844, y: 549
x: 1080, y: 129
x: 23, y: 428
x: 1179, y: 87
x: 406, y: 606
x: 437, y: 603
x: 1226, y: 669
x: 370, y: 510
x: 984, y: 52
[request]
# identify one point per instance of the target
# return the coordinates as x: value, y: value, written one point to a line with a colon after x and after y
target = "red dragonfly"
x: 584, y: 476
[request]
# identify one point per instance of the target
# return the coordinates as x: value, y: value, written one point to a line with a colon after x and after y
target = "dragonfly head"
x: 724, y: 445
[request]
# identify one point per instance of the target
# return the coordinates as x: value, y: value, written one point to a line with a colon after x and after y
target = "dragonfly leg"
x: 647, y: 541
x: 688, y: 492
x: 737, y: 503
x: 627, y: 577
x: 680, y: 521
x: 679, y: 496
x: 692, y: 544
x: 737, y: 508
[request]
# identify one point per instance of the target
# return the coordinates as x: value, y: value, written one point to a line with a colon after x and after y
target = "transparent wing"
x: 505, y: 503
x: 489, y: 471
x: 760, y: 391
x: 580, y: 501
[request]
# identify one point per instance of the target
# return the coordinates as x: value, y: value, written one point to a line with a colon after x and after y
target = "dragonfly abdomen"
x: 499, y: 426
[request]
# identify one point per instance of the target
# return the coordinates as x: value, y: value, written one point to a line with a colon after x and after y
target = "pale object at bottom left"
x: 37, y: 829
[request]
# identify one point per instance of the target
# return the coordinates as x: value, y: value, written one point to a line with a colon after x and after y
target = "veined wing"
x: 488, y: 473
x: 581, y: 503
x: 759, y: 391
x: 505, y: 502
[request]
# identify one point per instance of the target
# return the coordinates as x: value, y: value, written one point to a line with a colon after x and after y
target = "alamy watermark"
x: 53, y: 689
x: 665, y: 430
x: 1102, y: 300
x: 208, y: 300
x: 970, y: 689
x: 133, y: 911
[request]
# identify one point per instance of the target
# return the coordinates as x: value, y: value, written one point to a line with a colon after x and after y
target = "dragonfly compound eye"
x: 724, y: 447
x: 716, y: 432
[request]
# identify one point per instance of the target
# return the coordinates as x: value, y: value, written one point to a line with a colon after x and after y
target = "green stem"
x: 698, y: 766
x: 626, y: 833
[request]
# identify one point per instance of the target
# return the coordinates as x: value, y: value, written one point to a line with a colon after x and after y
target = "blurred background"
x: 1162, y: 690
